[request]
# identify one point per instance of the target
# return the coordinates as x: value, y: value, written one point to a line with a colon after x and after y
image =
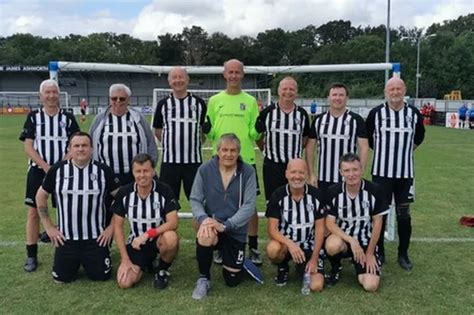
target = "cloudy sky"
x: 145, y: 19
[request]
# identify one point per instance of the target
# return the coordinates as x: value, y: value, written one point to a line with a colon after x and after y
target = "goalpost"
x: 20, y: 102
x: 56, y: 66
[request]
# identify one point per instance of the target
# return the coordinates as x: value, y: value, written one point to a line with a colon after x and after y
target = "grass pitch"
x: 441, y: 250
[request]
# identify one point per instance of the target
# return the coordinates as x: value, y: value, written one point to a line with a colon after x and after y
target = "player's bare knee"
x: 334, y: 245
x: 168, y: 240
x: 370, y: 283
x: 274, y: 249
x: 317, y: 282
x: 207, y: 241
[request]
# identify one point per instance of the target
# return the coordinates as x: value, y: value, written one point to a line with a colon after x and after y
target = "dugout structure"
x: 55, y: 67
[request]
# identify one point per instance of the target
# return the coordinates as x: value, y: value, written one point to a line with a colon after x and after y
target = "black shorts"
x: 94, y: 259
x: 256, y: 178
x: 462, y: 117
x: 300, y: 268
x: 233, y: 251
x: 471, y: 119
x: 145, y: 256
x: 324, y: 186
x: 34, y: 179
x: 402, y: 189
x: 273, y: 176
x: 173, y: 174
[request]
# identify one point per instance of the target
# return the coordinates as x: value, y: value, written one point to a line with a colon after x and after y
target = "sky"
x: 146, y: 19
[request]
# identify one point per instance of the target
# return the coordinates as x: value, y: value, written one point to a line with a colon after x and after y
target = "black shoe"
x: 282, y: 277
x: 405, y: 262
x: 44, y: 237
x: 332, y: 278
x: 161, y: 279
x: 31, y: 264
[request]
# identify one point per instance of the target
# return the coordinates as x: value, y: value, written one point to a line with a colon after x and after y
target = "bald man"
x: 296, y: 214
x: 235, y: 111
x: 178, y: 122
x: 395, y: 130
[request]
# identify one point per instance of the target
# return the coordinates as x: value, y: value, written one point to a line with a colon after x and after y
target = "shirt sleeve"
x: 50, y: 178
x: 73, y: 126
x: 118, y: 204
x: 28, y: 131
x: 273, y: 207
x: 158, y: 118
x: 312, y: 129
x: 253, y: 133
x: 202, y: 119
x: 361, y: 131
x: 111, y: 182
x: 260, y: 123
x: 419, y: 128
x: 306, y: 129
x: 381, y: 206
x: 171, y: 204
x: 370, y: 127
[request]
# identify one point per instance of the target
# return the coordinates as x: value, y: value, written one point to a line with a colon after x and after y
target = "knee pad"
x: 403, y: 212
x: 232, y: 279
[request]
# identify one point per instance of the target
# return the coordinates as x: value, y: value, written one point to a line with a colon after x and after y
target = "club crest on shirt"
x: 408, y: 119
x: 93, y: 177
x: 156, y: 205
x: 242, y: 106
x: 310, y: 207
x: 346, y: 122
x: 297, y: 121
x: 130, y: 123
x: 62, y: 124
x: 365, y: 204
x: 193, y: 107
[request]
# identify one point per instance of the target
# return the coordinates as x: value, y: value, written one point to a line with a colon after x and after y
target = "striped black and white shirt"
x: 119, y: 141
x: 354, y: 214
x: 297, y: 218
x: 50, y: 134
x: 80, y: 194
x: 392, y: 136
x: 336, y: 136
x: 284, y: 132
x: 181, y: 121
x: 144, y: 214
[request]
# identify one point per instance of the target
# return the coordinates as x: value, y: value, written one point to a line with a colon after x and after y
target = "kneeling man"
x: 296, y: 214
x: 80, y: 186
x: 354, y: 220
x: 151, y: 209
x: 223, y: 202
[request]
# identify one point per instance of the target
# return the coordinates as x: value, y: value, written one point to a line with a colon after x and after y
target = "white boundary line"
x: 189, y: 241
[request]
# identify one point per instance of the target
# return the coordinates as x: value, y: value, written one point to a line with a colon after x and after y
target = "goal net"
x: 15, y: 102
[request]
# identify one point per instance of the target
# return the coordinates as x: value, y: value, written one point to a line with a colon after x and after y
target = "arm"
x: 310, y: 151
x: 125, y: 262
x: 34, y: 156
x: 363, y: 148
x: 318, y: 245
x: 295, y: 251
x: 376, y: 233
x: 57, y: 238
x: 370, y: 128
x: 158, y: 134
x: 197, y: 198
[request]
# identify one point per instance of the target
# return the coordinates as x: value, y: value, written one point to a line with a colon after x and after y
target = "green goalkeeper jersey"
x: 234, y: 114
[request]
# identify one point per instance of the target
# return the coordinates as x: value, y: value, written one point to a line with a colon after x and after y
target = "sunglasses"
x: 120, y: 99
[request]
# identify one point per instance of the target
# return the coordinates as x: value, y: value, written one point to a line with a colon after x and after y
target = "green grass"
x: 441, y: 281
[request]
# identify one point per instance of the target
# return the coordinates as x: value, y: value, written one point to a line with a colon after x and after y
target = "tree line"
x: 446, y: 51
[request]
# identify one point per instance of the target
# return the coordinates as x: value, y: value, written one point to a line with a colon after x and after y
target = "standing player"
x: 121, y: 132
x: 223, y: 202
x: 286, y: 127
x: 462, y: 111
x: 395, y: 130
x: 178, y: 120
x: 152, y: 211
x: 296, y: 214
x: 336, y: 132
x: 45, y: 135
x: 82, y: 237
x: 355, y: 221
x: 235, y: 111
